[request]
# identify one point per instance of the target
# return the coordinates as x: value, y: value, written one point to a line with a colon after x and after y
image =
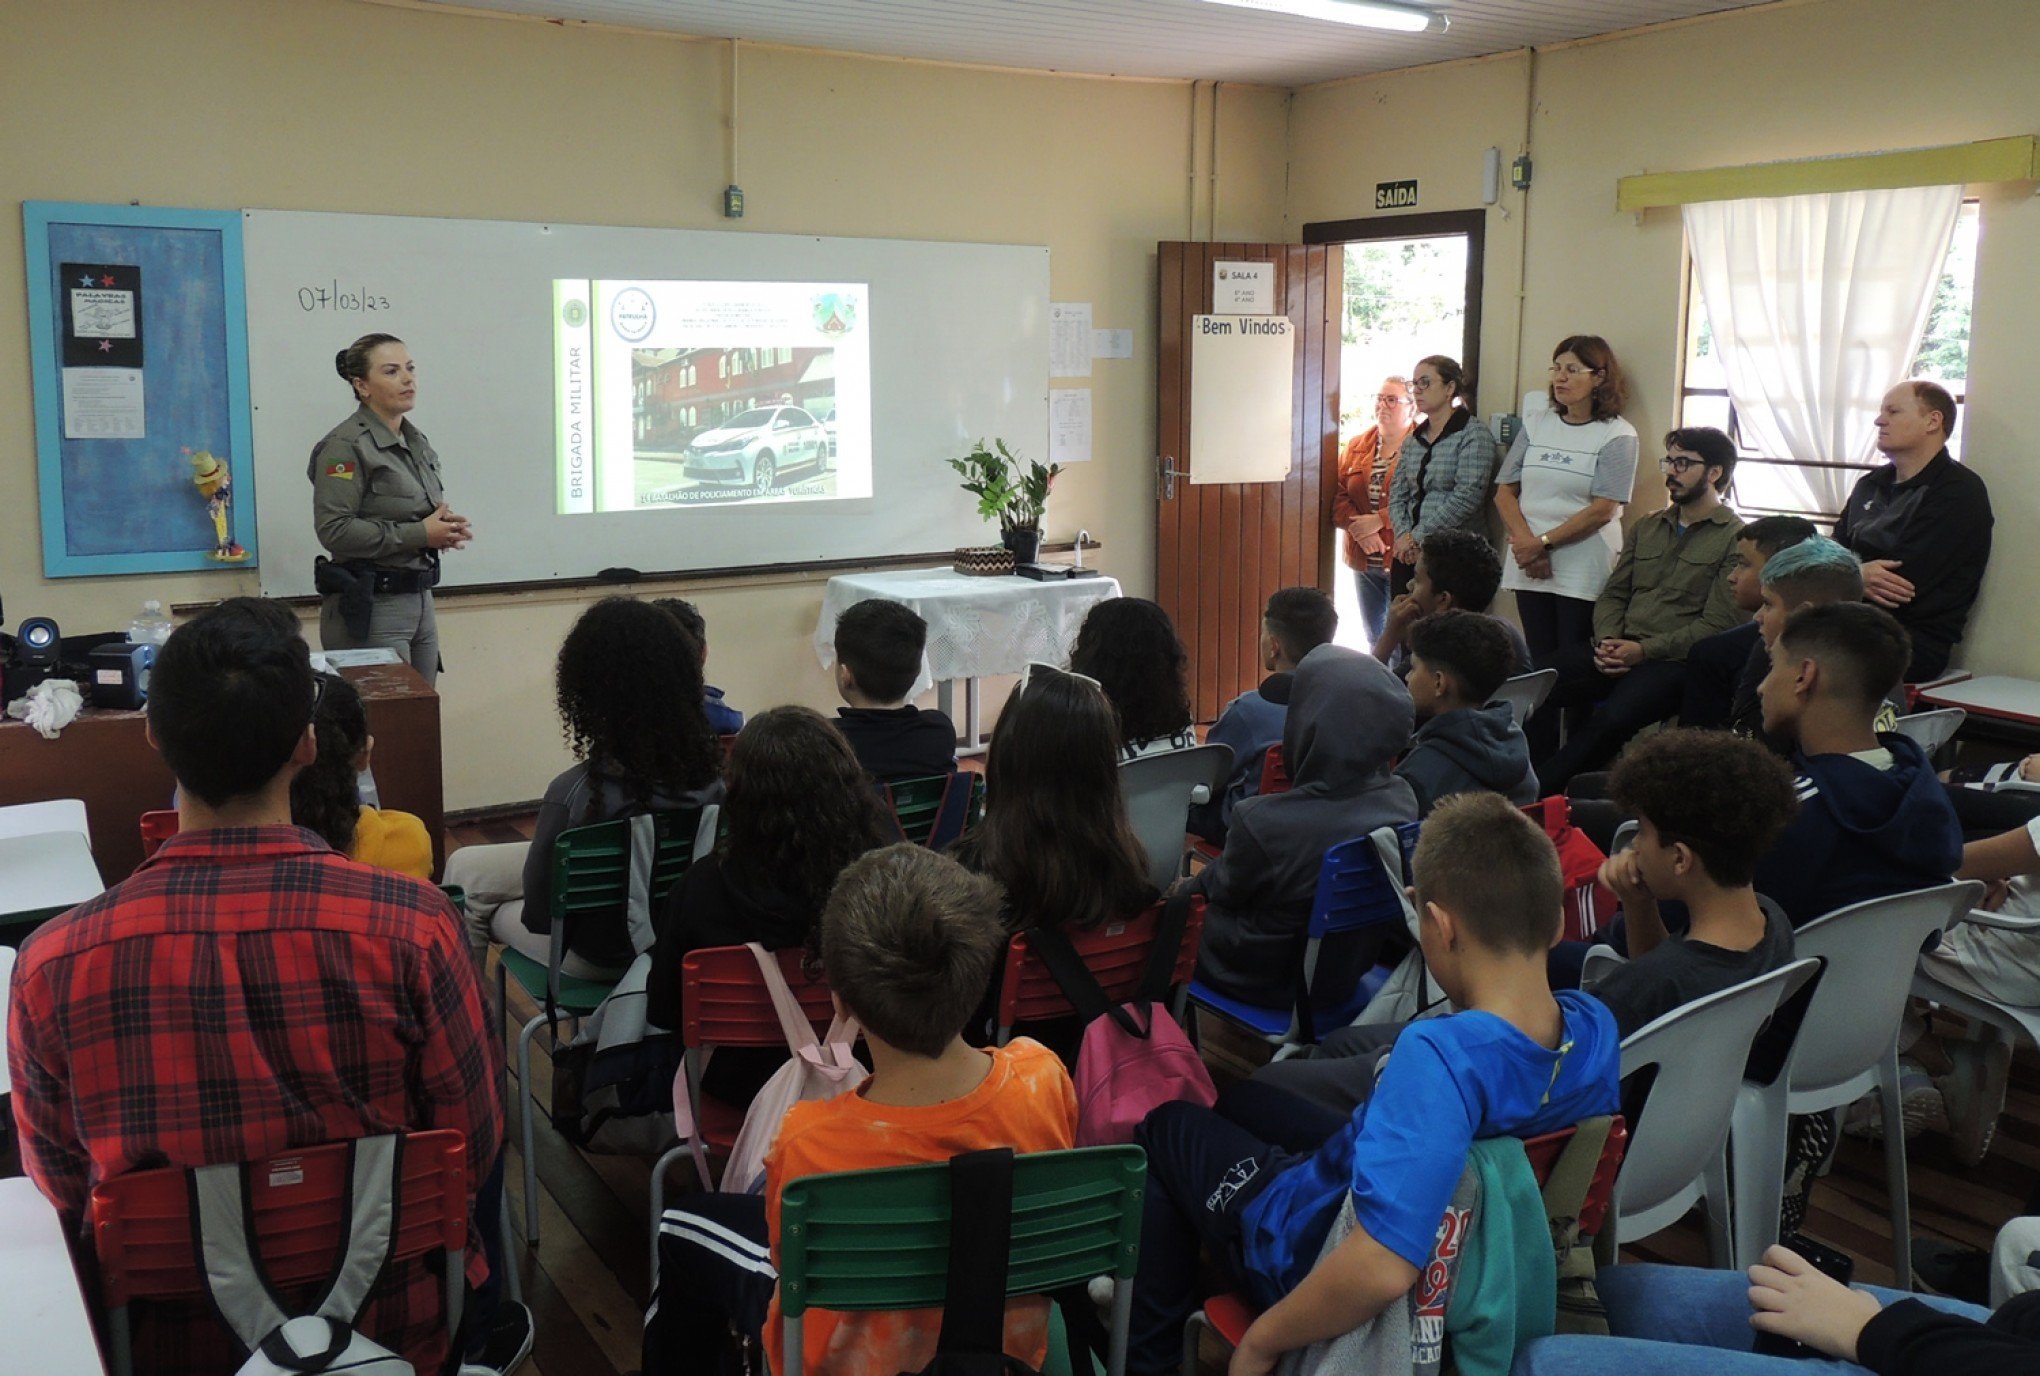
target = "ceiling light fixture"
x: 1368, y: 14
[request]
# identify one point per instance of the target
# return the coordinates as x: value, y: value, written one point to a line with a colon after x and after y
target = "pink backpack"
x: 1134, y: 1057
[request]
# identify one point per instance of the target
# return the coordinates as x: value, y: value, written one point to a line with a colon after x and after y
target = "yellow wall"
x: 344, y: 106
x: 1792, y: 81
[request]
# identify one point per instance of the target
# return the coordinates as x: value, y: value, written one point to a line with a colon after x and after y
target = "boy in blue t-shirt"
x: 1258, y: 1183
x: 723, y: 719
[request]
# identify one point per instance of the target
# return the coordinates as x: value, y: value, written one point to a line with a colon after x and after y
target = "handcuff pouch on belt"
x: 357, y: 581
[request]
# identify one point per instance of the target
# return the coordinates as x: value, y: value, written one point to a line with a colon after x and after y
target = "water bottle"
x: 151, y: 627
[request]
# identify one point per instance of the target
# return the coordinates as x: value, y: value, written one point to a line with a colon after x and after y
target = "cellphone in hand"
x: 1835, y: 1265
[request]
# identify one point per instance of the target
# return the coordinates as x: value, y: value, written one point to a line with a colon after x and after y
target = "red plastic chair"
x: 143, y: 1226
x: 723, y: 1002
x: 1116, y: 953
x: 157, y: 827
x: 1230, y: 1315
x: 1274, y: 774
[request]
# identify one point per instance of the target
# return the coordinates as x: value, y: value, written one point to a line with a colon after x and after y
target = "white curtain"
x: 1818, y: 305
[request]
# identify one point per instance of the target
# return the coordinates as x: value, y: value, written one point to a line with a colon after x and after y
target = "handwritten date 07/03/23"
x: 331, y: 296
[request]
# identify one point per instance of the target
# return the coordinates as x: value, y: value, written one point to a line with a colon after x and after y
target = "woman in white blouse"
x: 1565, y: 480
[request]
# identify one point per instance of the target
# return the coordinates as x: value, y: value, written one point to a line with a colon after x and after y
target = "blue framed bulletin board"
x: 138, y: 332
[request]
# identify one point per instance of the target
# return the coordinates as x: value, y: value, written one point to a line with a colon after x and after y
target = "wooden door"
x: 1220, y: 549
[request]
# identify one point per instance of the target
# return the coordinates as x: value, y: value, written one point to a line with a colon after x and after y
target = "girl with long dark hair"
x: 325, y: 796
x: 628, y: 683
x: 1129, y: 647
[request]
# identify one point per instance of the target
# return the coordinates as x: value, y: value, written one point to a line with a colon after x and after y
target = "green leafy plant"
x: 1010, y: 490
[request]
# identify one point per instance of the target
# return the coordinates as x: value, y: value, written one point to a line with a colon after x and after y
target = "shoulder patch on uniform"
x: 343, y: 469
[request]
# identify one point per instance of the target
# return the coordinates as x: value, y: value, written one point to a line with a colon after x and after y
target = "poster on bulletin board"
x: 138, y: 338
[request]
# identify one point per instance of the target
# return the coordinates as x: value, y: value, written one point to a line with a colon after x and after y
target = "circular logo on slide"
x: 575, y: 313
x: 632, y: 314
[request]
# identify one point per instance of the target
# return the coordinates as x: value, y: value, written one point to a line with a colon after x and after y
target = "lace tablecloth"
x: 977, y: 627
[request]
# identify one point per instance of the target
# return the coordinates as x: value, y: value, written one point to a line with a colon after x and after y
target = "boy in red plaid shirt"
x: 248, y: 991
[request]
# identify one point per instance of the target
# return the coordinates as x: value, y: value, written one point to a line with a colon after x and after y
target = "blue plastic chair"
x: 1355, y: 890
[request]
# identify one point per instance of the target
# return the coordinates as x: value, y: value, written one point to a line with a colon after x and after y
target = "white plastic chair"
x: 1677, y: 1137
x: 36, y: 819
x: 1525, y: 693
x: 1931, y: 730
x: 2013, y: 1022
x: 1847, y: 1047
x: 1159, y: 791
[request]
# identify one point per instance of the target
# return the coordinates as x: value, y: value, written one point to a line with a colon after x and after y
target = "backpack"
x: 324, y: 1340
x: 814, y: 1070
x: 612, y: 1082
x: 1133, y: 1057
x: 1588, y: 904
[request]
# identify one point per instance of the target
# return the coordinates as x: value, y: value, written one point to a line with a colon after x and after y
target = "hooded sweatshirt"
x: 1467, y: 750
x: 1348, y: 715
x: 1861, y: 832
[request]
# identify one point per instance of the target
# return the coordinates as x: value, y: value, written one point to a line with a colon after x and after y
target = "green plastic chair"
x: 879, y: 1239
x: 591, y: 878
x: 935, y: 810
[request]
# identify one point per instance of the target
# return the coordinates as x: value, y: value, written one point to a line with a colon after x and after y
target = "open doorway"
x: 1412, y: 289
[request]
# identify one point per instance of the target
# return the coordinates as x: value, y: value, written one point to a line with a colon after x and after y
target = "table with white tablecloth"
x: 977, y: 627
x: 42, y: 1307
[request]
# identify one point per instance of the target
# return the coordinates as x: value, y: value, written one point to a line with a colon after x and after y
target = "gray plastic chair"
x: 1677, y: 1138
x: 1932, y: 730
x: 1159, y: 791
x: 1525, y: 693
x: 1847, y: 1047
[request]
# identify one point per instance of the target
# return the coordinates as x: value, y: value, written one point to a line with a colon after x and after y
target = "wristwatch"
x: 1545, y: 540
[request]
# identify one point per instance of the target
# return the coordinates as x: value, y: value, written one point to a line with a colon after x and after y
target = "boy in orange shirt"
x: 909, y: 939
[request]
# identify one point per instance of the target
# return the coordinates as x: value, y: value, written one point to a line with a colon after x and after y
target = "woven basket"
x: 984, y: 561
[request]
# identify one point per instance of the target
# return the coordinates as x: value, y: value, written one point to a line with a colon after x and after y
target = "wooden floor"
x: 587, y: 1281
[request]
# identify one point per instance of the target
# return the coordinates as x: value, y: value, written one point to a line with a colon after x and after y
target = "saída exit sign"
x: 1395, y: 195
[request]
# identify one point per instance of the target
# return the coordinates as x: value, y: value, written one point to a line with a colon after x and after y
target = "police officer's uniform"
x: 371, y: 493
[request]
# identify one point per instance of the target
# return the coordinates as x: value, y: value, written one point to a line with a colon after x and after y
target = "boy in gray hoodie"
x: 1457, y: 661
x: 1348, y: 716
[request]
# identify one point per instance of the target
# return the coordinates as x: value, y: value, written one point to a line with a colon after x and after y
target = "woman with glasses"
x: 1567, y: 477
x: 1367, y: 469
x: 1444, y: 486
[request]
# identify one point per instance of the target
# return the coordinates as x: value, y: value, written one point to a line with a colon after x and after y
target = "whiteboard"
x: 959, y: 350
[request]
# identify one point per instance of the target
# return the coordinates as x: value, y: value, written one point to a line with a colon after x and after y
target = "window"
x: 1943, y: 358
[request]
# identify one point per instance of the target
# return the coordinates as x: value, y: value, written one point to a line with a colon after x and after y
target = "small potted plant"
x: 1011, y: 490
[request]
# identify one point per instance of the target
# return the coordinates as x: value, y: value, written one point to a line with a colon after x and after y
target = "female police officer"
x: 378, y: 510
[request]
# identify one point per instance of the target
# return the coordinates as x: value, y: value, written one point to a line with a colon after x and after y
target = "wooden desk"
x: 104, y: 758
x: 42, y: 1308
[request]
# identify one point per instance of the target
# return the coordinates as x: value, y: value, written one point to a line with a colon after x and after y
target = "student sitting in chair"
x: 325, y: 797
x: 798, y: 809
x: 629, y: 682
x: 1456, y: 570
x: 1873, y: 820
x: 1707, y: 805
x: 1129, y: 647
x: 1348, y: 716
x: 1816, y: 572
x: 1715, y: 665
x: 1295, y: 622
x: 247, y: 991
x: 1516, y: 1061
x: 908, y: 942
x: 723, y: 719
x: 878, y: 659
x: 1457, y: 661
x: 1055, y: 834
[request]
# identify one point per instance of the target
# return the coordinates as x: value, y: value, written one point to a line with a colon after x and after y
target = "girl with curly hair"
x: 1055, y: 832
x: 799, y: 808
x: 1129, y: 646
x: 325, y: 796
x: 628, y: 683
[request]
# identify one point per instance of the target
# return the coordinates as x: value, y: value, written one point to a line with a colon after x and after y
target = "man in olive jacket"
x: 1668, y: 591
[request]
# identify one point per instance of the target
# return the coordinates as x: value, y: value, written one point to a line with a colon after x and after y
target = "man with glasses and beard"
x: 1668, y: 591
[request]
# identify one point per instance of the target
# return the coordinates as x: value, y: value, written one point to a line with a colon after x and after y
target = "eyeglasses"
x: 1390, y: 399
x: 318, y: 692
x: 1027, y: 675
x: 1570, y: 370
x: 1420, y: 383
x: 1672, y: 463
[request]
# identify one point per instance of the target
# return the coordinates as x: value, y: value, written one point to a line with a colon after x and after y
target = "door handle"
x: 1167, y: 473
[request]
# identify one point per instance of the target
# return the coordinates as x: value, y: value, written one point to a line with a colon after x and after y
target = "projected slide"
x: 682, y: 394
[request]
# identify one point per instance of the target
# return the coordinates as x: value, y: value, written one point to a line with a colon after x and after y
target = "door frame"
x: 1430, y: 224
